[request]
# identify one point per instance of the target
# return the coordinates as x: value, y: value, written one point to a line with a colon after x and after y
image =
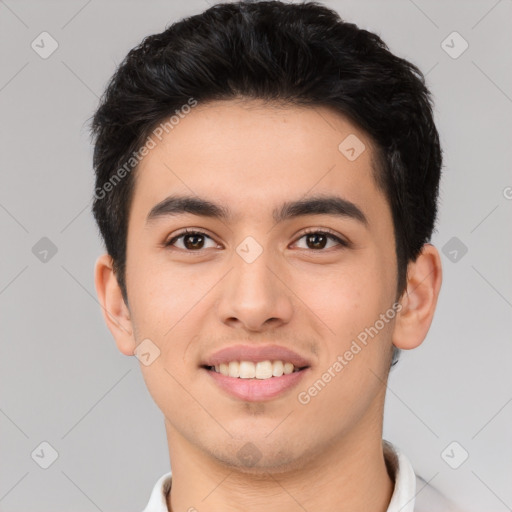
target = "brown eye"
x: 318, y: 240
x: 193, y: 241
x: 190, y: 240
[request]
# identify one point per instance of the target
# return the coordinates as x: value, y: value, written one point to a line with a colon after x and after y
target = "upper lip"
x: 256, y: 354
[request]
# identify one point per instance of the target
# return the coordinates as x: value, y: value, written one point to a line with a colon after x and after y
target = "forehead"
x: 248, y: 155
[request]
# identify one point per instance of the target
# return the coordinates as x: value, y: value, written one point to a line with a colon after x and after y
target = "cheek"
x: 345, y: 296
x: 168, y: 305
x: 159, y: 295
x: 349, y: 301
x: 165, y: 312
x: 353, y: 355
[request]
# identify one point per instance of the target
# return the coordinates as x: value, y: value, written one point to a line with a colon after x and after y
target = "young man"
x: 267, y: 181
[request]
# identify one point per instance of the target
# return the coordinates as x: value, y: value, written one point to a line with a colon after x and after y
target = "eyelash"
x: 329, y: 234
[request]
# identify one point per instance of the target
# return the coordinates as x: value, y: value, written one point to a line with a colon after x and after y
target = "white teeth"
x: 247, y: 370
x: 234, y: 369
x: 277, y: 368
x: 264, y: 370
x: 288, y: 368
x: 261, y: 370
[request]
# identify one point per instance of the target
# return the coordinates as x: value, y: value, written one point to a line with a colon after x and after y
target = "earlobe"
x: 115, y: 311
x: 424, y: 277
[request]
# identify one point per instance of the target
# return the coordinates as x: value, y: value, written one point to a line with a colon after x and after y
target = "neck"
x: 349, y: 474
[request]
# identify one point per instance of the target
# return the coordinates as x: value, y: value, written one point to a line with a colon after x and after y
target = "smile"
x: 250, y: 370
x: 251, y: 388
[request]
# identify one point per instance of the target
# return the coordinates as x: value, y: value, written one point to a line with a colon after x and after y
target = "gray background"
x: 62, y: 379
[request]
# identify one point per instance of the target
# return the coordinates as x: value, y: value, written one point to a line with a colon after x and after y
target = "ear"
x: 115, y: 311
x: 424, y: 277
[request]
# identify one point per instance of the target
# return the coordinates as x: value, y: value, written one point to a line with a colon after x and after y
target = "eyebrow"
x: 316, y: 205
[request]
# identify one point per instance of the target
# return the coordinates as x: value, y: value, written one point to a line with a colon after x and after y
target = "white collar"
x: 411, y: 493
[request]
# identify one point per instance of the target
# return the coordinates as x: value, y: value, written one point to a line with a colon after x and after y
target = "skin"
x: 326, y: 455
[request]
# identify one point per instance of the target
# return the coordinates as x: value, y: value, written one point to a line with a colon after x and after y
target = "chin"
x: 257, y: 458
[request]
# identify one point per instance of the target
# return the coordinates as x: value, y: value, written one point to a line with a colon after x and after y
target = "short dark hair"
x: 296, y: 54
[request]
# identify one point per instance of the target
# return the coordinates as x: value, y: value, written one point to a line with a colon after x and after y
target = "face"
x: 312, y: 279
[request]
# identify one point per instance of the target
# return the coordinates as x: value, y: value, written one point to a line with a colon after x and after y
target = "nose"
x: 254, y: 295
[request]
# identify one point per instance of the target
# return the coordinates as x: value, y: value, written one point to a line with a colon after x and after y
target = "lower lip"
x: 257, y: 390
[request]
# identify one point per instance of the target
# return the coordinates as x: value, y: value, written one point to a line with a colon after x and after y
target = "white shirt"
x: 411, y: 494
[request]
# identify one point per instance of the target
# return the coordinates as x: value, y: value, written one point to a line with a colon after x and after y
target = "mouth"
x: 261, y: 370
x: 255, y: 373
x: 255, y: 381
